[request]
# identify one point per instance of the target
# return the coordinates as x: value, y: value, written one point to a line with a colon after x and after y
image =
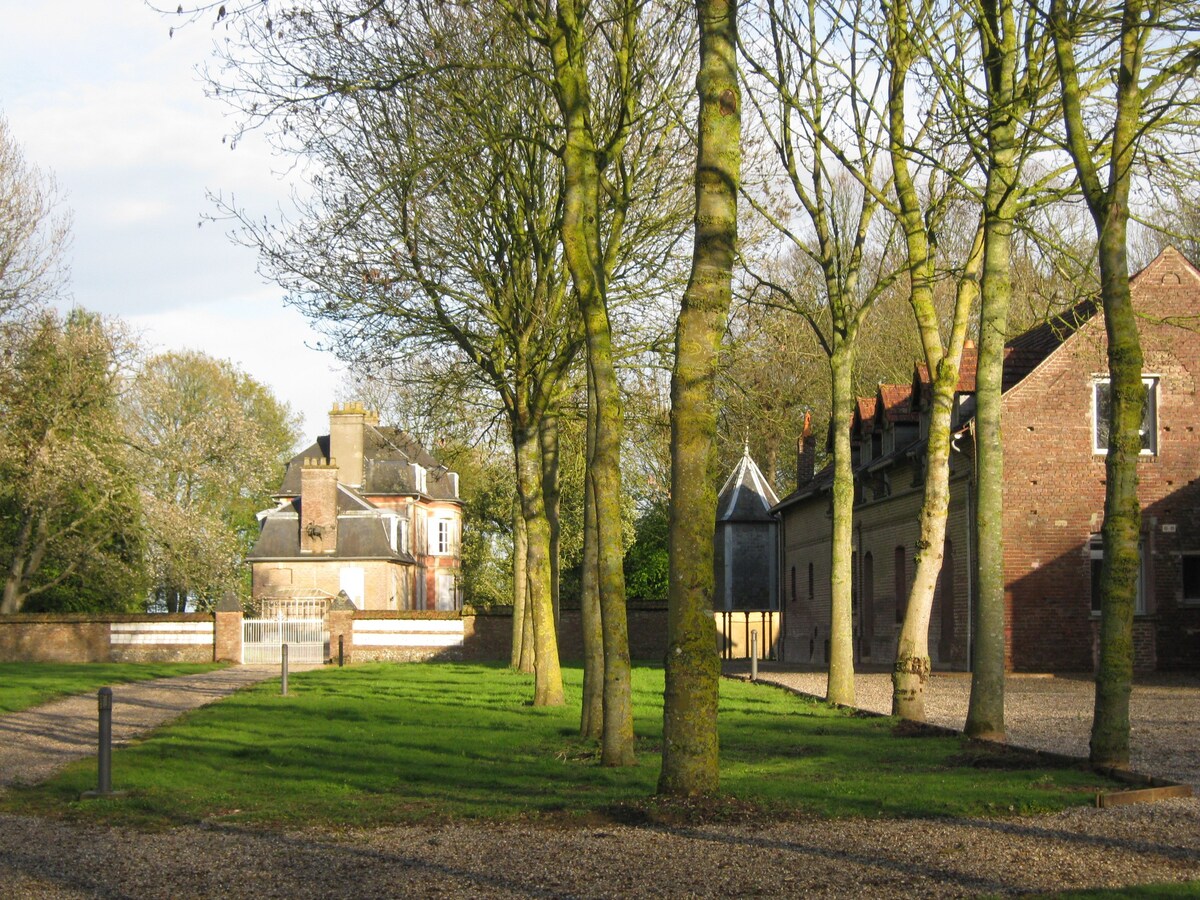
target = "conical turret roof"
x: 746, y: 496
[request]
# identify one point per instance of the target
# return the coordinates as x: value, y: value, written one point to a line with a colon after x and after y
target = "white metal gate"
x: 262, y: 640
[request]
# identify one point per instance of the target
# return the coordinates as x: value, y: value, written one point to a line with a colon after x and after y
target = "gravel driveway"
x: 809, y: 857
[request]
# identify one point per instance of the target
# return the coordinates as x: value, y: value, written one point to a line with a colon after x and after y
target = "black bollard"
x: 341, y: 653
x: 104, y: 750
x: 104, y: 756
x: 283, y: 662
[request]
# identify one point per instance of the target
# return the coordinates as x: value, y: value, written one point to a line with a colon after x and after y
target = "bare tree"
x: 811, y: 90
x: 34, y: 233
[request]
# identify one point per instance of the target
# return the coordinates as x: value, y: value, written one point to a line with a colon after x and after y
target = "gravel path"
x: 868, y: 857
x: 37, y: 742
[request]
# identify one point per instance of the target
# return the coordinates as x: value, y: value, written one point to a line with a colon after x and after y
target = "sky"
x: 99, y: 96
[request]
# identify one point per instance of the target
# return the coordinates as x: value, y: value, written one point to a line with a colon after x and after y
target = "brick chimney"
x: 347, y: 425
x: 318, y: 506
x: 806, y: 454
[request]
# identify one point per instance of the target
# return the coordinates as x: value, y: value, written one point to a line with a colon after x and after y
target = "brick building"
x: 1053, y: 415
x: 365, y: 510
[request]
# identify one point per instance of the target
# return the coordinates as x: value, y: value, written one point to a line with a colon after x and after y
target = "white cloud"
x: 98, y: 94
x: 267, y: 342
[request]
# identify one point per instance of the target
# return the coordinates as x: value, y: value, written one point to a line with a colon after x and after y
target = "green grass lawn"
x: 377, y: 744
x: 1160, y: 889
x: 23, y: 685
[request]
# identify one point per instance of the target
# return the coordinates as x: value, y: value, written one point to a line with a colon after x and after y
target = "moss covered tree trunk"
x: 548, y: 689
x: 1108, y: 202
x: 985, y: 711
x: 690, y: 743
x: 522, y: 631
x: 1001, y: 44
x: 551, y: 491
x: 591, y: 720
x: 582, y: 246
x: 1122, y: 527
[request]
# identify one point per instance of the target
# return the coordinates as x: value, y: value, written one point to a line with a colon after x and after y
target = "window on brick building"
x: 1191, y: 578
x: 444, y: 537
x: 868, y: 605
x: 793, y: 584
x: 1096, y: 552
x: 1100, y: 410
x: 811, y: 583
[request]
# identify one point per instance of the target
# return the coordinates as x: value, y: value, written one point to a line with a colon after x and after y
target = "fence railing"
x: 735, y: 626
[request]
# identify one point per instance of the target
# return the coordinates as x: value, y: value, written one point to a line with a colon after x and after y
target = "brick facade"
x: 1054, y: 487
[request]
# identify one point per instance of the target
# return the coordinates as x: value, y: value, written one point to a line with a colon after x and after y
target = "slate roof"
x: 388, y: 454
x: 746, y: 496
x: 1027, y: 351
x: 361, y: 532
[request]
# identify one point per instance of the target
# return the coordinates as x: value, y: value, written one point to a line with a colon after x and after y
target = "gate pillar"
x: 227, y: 630
x: 341, y: 625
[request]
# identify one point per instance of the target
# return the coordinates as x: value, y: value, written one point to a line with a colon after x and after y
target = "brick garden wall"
x: 90, y: 638
x: 367, y: 635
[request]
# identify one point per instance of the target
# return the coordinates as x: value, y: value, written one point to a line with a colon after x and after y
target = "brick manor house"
x: 1054, y: 426
x: 366, y: 510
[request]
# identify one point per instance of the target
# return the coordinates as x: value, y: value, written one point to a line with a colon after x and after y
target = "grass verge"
x: 23, y: 685
x: 1159, y: 889
x: 379, y: 744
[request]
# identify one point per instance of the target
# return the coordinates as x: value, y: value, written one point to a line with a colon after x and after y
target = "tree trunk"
x: 690, y: 741
x: 548, y: 437
x: 1000, y: 42
x: 586, y: 261
x: 591, y: 720
x: 840, y: 686
x: 519, y: 654
x: 985, y: 712
x: 548, y: 689
x: 1108, y: 202
x: 912, y: 667
x: 1122, y: 511
x: 14, y: 579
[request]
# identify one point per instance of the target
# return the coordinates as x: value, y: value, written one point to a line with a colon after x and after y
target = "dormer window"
x: 1101, y: 394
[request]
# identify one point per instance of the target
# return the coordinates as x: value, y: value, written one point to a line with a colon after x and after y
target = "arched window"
x: 811, y: 593
x: 793, y: 584
x: 900, y: 570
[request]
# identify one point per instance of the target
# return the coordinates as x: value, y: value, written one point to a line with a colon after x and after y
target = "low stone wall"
x: 83, y: 637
